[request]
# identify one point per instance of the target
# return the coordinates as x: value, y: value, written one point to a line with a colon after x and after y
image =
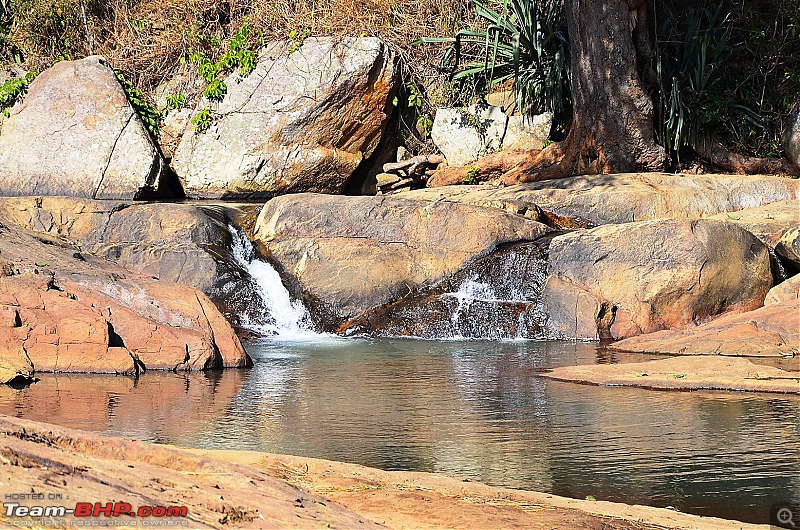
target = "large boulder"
x: 594, y: 200
x: 351, y: 254
x: 618, y: 281
x: 76, y: 134
x: 71, y: 311
x: 301, y: 121
x: 182, y: 243
x: 791, y: 137
x: 770, y: 331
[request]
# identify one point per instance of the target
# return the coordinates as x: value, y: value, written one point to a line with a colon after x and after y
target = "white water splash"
x: 469, y: 291
x: 283, y: 318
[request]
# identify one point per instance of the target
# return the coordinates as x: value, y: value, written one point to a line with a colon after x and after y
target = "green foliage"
x: 174, y: 102
x: 149, y: 114
x: 472, y: 176
x: 8, y: 51
x: 202, y: 120
x: 216, y: 90
x: 727, y: 72
x: 415, y: 98
x: 525, y: 42
x: 13, y: 89
x: 692, y: 104
x: 424, y: 126
x: 297, y: 38
x: 239, y: 54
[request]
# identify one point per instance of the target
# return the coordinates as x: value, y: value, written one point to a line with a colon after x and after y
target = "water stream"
x: 277, y: 315
x: 475, y: 409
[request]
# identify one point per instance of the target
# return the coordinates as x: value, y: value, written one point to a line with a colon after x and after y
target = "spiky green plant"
x: 692, y: 105
x: 525, y: 41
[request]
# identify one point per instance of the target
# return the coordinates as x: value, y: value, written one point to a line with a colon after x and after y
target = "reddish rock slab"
x: 770, y: 331
x: 685, y: 373
x: 69, y: 311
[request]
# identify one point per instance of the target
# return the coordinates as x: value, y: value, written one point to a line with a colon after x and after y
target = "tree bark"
x: 612, y: 125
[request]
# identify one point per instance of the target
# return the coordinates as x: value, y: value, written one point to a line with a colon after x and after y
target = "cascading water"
x: 277, y: 314
x: 496, y: 297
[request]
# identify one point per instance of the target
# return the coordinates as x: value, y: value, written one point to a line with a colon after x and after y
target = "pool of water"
x: 476, y: 410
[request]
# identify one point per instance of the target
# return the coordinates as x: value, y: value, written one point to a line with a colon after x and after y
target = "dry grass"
x: 149, y: 39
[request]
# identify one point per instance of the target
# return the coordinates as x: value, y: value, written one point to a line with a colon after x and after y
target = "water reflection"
x: 475, y: 410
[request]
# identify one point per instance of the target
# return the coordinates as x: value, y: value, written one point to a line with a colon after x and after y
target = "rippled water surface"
x: 475, y: 410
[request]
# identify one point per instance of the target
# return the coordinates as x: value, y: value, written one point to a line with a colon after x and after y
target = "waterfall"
x: 497, y: 297
x: 278, y: 315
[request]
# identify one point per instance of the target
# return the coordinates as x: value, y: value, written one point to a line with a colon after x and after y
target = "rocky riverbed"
x: 113, y: 260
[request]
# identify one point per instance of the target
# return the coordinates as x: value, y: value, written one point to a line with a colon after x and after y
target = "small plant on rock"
x: 12, y: 90
x: 149, y: 114
x: 472, y: 176
x: 240, y: 55
x: 202, y: 120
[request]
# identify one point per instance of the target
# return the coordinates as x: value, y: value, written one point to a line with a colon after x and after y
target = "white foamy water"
x: 282, y: 318
x: 468, y: 292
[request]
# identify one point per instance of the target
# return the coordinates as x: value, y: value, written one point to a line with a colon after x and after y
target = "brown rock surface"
x: 76, y: 134
x: 618, y: 281
x: 685, y: 373
x: 624, y: 198
x: 182, y: 243
x: 784, y: 291
x: 75, y: 312
x: 92, y: 468
x: 770, y: 331
x: 768, y: 222
x: 355, y: 253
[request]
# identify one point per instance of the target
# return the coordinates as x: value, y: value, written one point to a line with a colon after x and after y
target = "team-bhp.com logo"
x: 93, y: 510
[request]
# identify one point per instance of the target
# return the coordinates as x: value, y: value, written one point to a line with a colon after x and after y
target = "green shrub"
x: 12, y: 90
x: 692, y: 104
x: 149, y: 114
x: 239, y: 54
x: 525, y: 42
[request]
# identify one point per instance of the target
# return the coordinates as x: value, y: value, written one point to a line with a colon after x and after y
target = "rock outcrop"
x: 785, y: 291
x: 768, y: 222
x: 685, y: 373
x: 465, y: 134
x: 594, y: 200
x: 183, y: 243
x: 770, y: 331
x: 351, y: 254
x: 618, y: 281
x: 72, y: 312
x: 76, y: 134
x: 788, y: 246
x: 301, y: 121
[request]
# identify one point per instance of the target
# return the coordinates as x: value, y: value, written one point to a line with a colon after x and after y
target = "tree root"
x: 511, y: 167
x: 747, y: 165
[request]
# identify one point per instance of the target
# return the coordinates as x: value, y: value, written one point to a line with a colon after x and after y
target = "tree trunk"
x: 612, y: 124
